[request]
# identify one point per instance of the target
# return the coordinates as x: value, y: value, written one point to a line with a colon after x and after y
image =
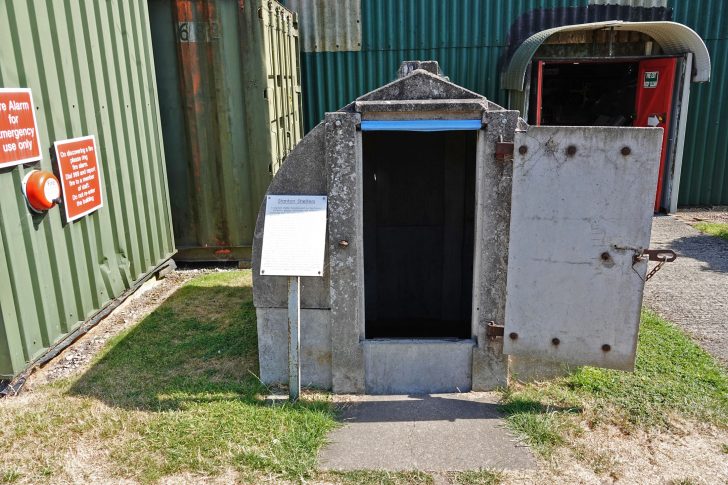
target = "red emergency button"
x: 42, y: 190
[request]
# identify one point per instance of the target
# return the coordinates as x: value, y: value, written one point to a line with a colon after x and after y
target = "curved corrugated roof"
x: 674, y: 38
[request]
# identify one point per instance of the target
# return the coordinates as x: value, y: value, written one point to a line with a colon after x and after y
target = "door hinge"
x: 504, y: 151
x: 493, y: 330
x: 662, y: 256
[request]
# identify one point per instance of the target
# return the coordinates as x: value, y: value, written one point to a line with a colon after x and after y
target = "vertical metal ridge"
x: 85, y: 62
x: 470, y: 39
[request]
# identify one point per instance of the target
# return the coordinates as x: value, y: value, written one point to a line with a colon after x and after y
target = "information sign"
x: 295, y: 235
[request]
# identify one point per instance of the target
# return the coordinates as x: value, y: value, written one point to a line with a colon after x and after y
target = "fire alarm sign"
x: 18, y: 128
x: 80, y: 177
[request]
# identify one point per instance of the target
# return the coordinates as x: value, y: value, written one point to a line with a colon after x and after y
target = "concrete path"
x: 443, y: 432
x: 692, y: 291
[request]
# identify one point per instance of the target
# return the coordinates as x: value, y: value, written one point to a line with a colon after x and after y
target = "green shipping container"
x: 91, y: 71
x: 230, y: 99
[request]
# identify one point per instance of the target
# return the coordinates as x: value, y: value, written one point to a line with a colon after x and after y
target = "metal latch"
x: 494, y: 330
x: 504, y: 151
x: 662, y: 256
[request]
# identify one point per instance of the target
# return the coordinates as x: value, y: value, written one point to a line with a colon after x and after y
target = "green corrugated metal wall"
x: 91, y: 70
x: 704, y: 178
x: 469, y: 37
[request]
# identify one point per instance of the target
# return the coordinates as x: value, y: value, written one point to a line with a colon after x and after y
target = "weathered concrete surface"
x: 446, y: 432
x: 346, y: 261
x: 525, y: 369
x: 692, y: 291
x: 303, y: 173
x: 417, y: 366
x: 421, y: 84
x: 490, y: 365
x: 315, y: 347
x: 493, y: 215
x: 581, y: 209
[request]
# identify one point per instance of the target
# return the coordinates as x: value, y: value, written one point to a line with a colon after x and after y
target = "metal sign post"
x: 294, y: 243
x: 294, y: 337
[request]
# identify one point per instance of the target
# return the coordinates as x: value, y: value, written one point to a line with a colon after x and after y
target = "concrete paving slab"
x: 438, y: 432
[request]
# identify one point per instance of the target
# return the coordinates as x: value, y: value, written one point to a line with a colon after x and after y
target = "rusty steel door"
x: 581, y: 211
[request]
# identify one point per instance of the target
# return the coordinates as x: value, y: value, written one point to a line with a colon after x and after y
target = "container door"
x: 655, y: 85
x: 581, y: 211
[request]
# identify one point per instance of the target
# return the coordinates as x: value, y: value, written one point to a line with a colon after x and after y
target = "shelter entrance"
x: 418, y: 214
x: 595, y: 92
x: 574, y: 93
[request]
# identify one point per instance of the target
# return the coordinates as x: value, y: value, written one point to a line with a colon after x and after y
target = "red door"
x: 655, y: 84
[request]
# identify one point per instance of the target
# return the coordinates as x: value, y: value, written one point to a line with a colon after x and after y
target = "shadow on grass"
x: 524, y: 405
x: 199, y: 346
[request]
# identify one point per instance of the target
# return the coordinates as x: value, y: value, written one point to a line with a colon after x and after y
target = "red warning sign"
x: 18, y: 129
x: 80, y: 178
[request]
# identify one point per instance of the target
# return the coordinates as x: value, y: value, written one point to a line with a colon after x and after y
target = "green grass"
x: 479, y: 477
x: 10, y: 476
x: 673, y: 376
x: 175, y: 394
x: 376, y: 477
x: 713, y: 228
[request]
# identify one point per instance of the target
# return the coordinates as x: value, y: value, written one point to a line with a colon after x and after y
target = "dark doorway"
x: 584, y: 93
x: 419, y: 212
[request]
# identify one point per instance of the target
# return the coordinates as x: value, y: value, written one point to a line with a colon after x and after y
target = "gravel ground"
x: 715, y: 214
x: 692, y: 291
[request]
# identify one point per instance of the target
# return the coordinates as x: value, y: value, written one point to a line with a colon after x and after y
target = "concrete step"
x: 399, y: 366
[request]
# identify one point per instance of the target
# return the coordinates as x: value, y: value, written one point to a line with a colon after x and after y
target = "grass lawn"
x: 176, y: 394
x: 673, y: 378
x: 176, y: 398
x: 713, y: 228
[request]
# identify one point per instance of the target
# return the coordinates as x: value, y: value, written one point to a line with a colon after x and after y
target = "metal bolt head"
x: 555, y: 341
x: 337, y: 123
x: 606, y: 347
x: 523, y: 149
x: 343, y: 243
x: 513, y: 335
x: 625, y: 151
x: 571, y: 150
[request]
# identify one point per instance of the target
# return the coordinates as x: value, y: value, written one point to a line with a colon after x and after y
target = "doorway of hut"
x: 595, y: 92
x: 418, y: 215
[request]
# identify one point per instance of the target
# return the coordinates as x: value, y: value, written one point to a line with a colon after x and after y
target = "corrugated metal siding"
x: 90, y: 67
x: 231, y: 112
x: 704, y: 178
x: 325, y: 32
x: 467, y: 37
x: 472, y: 38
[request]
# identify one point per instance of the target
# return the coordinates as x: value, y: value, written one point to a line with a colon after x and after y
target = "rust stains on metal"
x: 504, y: 151
x: 494, y: 330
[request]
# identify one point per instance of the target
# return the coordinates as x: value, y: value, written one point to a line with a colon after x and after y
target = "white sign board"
x: 294, y: 237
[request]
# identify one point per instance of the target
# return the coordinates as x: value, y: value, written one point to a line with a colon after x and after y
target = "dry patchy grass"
x: 174, y: 396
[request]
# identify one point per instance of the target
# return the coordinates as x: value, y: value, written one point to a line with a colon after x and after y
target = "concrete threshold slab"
x: 433, y: 432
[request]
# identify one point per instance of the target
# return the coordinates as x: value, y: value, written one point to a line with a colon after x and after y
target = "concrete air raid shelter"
x: 463, y: 246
